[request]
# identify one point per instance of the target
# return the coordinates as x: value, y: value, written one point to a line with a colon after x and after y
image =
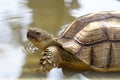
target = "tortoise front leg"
x: 51, y: 59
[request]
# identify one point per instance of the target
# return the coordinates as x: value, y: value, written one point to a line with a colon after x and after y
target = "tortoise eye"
x: 38, y: 33
x: 45, y: 39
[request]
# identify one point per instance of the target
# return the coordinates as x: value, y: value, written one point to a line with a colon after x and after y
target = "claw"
x: 49, y: 57
x: 54, y: 65
x: 44, y: 57
x: 50, y: 62
x: 44, y: 62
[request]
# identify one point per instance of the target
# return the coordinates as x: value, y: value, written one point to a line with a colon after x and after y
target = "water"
x: 15, y: 18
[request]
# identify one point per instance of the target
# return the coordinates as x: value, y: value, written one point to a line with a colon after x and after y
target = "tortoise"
x: 91, y: 42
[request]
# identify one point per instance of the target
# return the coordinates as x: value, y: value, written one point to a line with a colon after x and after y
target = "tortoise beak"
x: 32, y: 33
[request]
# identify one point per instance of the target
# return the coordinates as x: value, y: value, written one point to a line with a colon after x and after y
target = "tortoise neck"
x: 53, y: 42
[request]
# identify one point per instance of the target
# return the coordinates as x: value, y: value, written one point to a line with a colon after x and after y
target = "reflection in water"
x: 29, y: 48
x: 72, y: 4
x: 55, y: 74
x: 14, y: 16
x: 88, y: 6
x: 49, y: 14
x: 11, y: 61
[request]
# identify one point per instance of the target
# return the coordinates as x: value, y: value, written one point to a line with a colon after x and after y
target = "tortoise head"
x: 40, y: 38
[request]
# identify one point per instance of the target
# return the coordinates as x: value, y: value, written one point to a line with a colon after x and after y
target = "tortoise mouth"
x: 31, y: 34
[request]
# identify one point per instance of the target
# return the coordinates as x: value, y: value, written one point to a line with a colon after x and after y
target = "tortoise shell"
x: 95, y: 40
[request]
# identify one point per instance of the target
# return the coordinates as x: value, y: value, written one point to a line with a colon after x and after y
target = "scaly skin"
x: 51, y: 59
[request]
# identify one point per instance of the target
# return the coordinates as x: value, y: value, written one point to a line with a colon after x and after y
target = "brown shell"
x: 95, y: 39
